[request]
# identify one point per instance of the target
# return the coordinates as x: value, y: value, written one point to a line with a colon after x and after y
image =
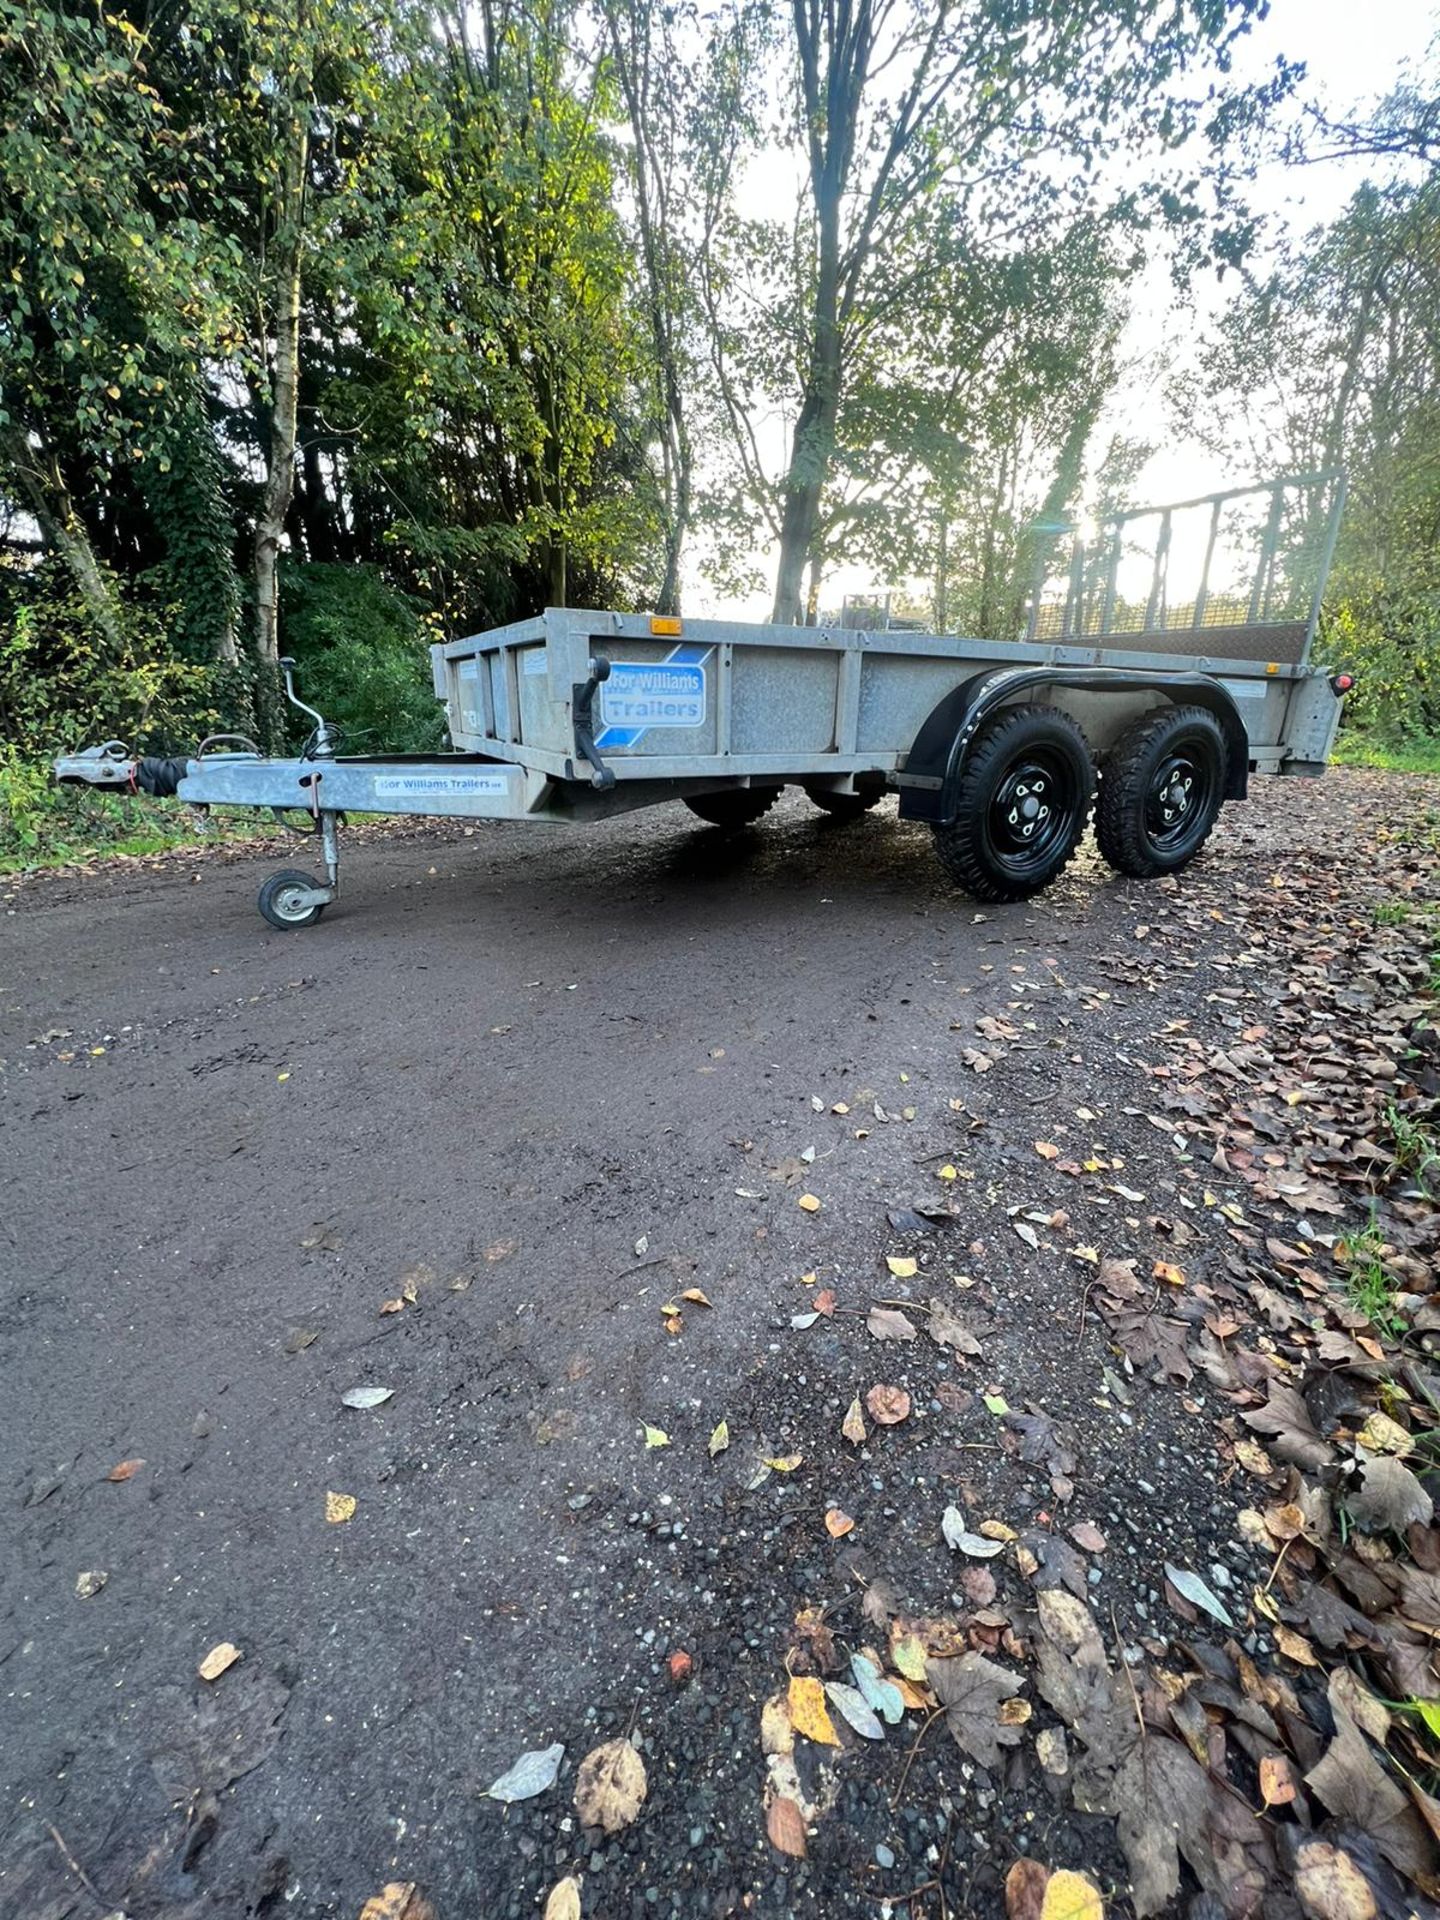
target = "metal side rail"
x: 460, y: 786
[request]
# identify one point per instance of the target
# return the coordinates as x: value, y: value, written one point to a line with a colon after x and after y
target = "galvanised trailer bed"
x: 1167, y: 704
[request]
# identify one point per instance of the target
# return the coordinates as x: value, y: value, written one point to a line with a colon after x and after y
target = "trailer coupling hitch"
x: 113, y: 765
x: 582, y: 706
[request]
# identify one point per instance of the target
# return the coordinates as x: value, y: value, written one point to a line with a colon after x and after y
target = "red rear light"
x: 1342, y: 683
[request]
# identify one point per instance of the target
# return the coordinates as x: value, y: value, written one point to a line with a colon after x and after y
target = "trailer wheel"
x: 1025, y: 792
x: 279, y: 904
x: 845, y: 806
x: 741, y: 807
x: 1161, y: 792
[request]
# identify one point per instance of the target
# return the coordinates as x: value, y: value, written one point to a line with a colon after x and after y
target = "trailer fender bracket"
x: 930, y: 782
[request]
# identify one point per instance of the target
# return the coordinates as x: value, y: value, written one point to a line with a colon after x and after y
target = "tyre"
x: 1161, y: 792
x: 845, y: 806
x: 280, y: 906
x: 741, y: 807
x: 1025, y: 792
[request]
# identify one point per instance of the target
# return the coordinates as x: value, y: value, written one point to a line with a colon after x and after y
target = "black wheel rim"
x: 1033, y: 811
x: 1180, y: 797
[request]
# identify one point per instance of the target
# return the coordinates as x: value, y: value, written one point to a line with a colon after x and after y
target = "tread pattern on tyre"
x: 1120, y: 814
x: 742, y: 808
x: 958, y: 846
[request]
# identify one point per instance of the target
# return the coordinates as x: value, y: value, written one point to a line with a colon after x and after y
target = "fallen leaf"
x: 809, y: 1203
x: 680, y: 1666
x: 719, y: 1439
x: 888, y: 1323
x: 1390, y: 1499
x: 888, y: 1405
x: 610, y: 1786
x: 855, y: 1709
x: 1286, y: 1417
x: 696, y: 1297
x: 777, y: 1731
x: 1172, y: 1276
x: 366, y: 1396
x: 996, y: 1403
x: 1355, y: 1787
x: 398, y: 1900
x: 89, y: 1583
x: 784, y: 1463
x: 1027, y: 1233
x: 1070, y: 1896
x: 1277, y: 1783
x: 838, y: 1523
x: 1052, y: 1752
x: 1330, y: 1885
x: 907, y: 1652
x: 1294, y: 1646
x: 853, y: 1425
x: 902, y: 1266
x: 806, y: 1701
x: 1088, y: 1537
x: 881, y: 1694
x: 532, y: 1773
x: 1047, y: 1150
x: 972, y: 1691
x: 785, y: 1825
x: 825, y: 1302
x: 958, y: 1536
x: 126, y: 1470
x: 654, y: 1436
x: 946, y: 1329
x: 340, y: 1507
x: 392, y: 1306
x: 1192, y: 1588
x: 564, y: 1900
x: 220, y: 1657
x: 1025, y: 1886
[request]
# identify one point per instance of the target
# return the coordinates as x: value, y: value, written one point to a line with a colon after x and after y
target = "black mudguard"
x: 929, y: 784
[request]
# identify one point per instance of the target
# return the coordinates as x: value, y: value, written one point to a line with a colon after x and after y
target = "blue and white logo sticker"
x: 662, y: 693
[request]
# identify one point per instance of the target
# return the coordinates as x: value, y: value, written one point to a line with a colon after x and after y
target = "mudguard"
x: 929, y: 785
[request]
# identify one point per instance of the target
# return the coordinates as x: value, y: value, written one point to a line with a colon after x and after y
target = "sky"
x: 1355, y: 51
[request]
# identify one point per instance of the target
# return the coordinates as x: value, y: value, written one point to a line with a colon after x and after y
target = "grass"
x: 1367, y: 1285
x: 1416, y: 1147
x: 1360, y: 750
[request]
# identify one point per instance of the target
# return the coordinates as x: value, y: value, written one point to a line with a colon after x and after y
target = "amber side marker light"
x: 666, y: 623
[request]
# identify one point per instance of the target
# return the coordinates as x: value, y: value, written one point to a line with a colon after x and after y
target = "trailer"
x: 1163, y: 658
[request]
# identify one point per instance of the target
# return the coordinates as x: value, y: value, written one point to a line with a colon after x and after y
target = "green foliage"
x: 63, y: 685
x: 361, y: 653
x: 1368, y: 1287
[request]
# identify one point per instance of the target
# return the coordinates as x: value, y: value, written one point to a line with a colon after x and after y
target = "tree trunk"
x: 288, y: 243
x: 61, y: 528
x: 810, y: 452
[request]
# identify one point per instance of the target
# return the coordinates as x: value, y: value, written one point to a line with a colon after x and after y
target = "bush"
x: 362, y: 658
x: 1391, y: 643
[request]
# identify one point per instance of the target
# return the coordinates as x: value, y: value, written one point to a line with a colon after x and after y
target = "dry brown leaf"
x: 838, y: 1523
x: 696, y: 1297
x: 888, y: 1405
x: 1025, y: 1886
x: 126, y: 1470
x: 777, y: 1730
x: 1047, y: 1150
x: 972, y: 1691
x: 1294, y: 1646
x: 888, y: 1323
x: 392, y: 1306
x: 824, y: 1302
x: 610, y: 1786
x: 853, y: 1425
x: 1277, y: 1783
x: 218, y: 1660
x: 808, y: 1202
x: 1330, y: 1885
x: 902, y: 1265
x: 340, y: 1507
x: 1088, y: 1536
x: 564, y: 1900
x: 785, y: 1825
x: 398, y: 1900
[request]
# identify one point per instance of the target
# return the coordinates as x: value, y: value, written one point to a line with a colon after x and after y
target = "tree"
x: 1001, y: 108
x: 112, y: 299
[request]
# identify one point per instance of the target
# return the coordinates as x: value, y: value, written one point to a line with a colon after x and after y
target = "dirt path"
x: 544, y: 1084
